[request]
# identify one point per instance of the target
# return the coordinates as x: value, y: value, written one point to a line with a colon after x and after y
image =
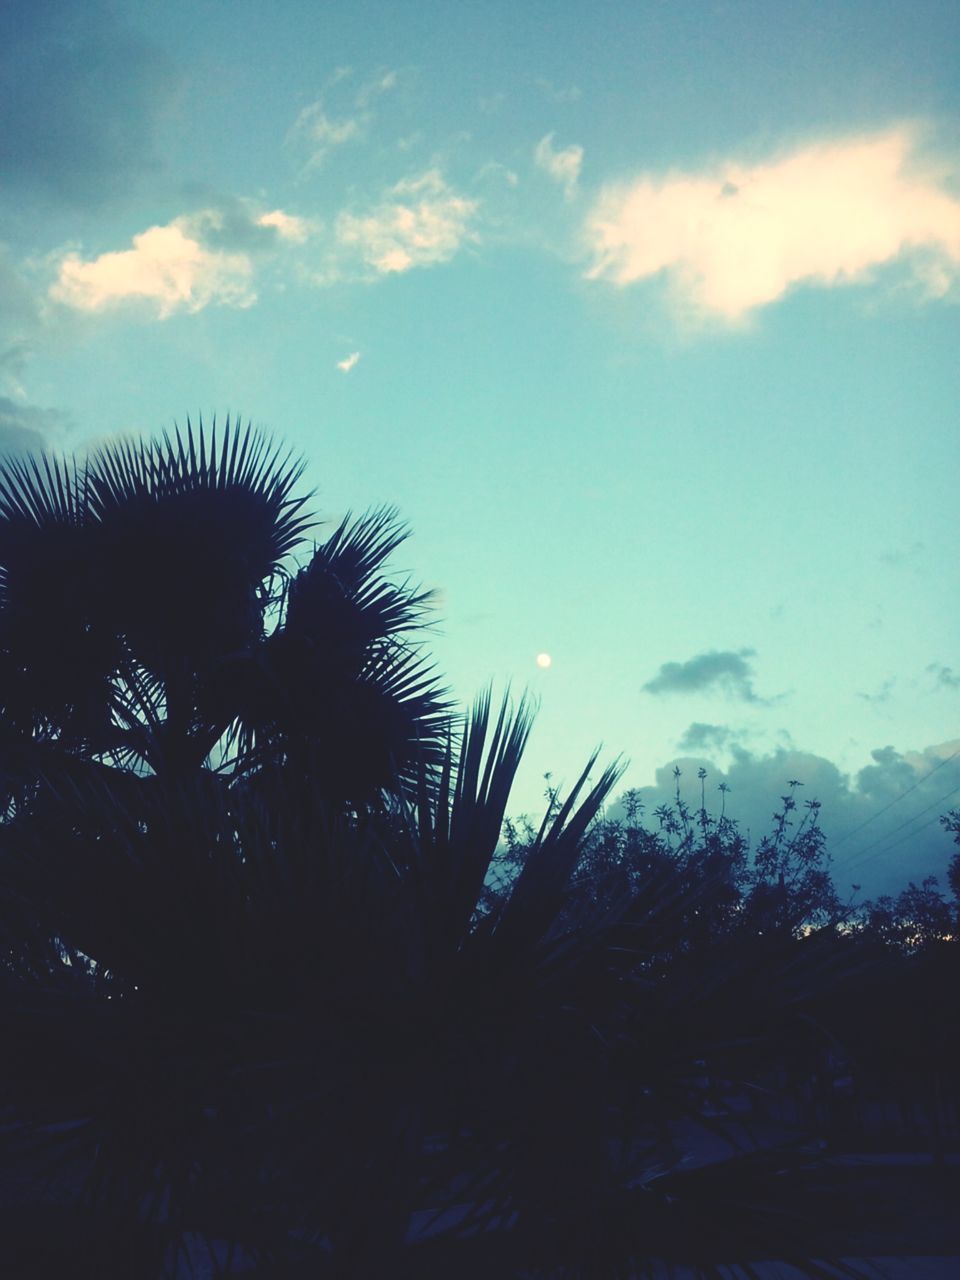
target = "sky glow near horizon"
x: 645, y: 317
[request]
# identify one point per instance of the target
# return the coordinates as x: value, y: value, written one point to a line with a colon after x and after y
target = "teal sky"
x: 643, y: 315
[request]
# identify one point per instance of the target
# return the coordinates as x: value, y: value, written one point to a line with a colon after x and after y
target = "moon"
x: 544, y: 660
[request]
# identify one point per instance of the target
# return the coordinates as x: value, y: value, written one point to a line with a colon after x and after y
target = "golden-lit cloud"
x: 201, y: 258
x: 166, y: 266
x: 288, y: 227
x: 348, y: 362
x: 421, y: 223
x: 738, y: 236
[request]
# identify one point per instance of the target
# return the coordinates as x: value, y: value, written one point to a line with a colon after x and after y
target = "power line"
x: 867, y: 855
x: 896, y: 800
x: 907, y: 836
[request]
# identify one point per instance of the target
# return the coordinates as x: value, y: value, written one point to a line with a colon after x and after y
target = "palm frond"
x: 460, y: 814
x: 341, y: 599
x: 41, y: 489
x: 57, y: 653
x: 537, y: 898
x: 189, y: 529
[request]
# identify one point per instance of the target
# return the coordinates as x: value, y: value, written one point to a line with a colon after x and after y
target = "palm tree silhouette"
x: 151, y: 618
x: 253, y: 991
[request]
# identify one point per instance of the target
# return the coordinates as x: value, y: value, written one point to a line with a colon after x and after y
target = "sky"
x: 643, y: 315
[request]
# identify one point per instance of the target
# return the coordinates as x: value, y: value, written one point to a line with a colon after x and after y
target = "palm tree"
x: 151, y: 619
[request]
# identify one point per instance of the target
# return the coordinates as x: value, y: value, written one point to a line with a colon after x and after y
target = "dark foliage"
x: 262, y: 995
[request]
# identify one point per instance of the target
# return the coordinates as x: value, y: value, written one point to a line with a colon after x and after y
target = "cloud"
x: 83, y: 101
x: 727, y: 671
x: 379, y: 84
x: 288, y: 227
x: 707, y: 737
x: 944, y: 677
x: 734, y: 236
x: 319, y: 133
x: 882, y: 824
x: 421, y: 223
x: 348, y: 362
x: 196, y: 260
x: 882, y: 694
x: 562, y: 166
x: 166, y: 266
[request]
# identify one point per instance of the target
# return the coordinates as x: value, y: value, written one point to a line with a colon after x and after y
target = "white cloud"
x: 421, y: 223
x: 167, y: 266
x: 197, y: 259
x: 348, y: 362
x: 288, y: 226
x: 562, y: 166
x: 738, y: 236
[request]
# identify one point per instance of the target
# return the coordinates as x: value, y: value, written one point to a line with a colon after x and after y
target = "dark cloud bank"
x: 83, y: 98
x: 882, y: 824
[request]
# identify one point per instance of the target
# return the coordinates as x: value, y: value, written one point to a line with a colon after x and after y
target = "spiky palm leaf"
x: 57, y: 652
x: 191, y: 527
x: 337, y: 690
x: 134, y: 594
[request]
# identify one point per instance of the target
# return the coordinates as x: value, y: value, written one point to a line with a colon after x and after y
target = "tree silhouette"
x: 151, y: 620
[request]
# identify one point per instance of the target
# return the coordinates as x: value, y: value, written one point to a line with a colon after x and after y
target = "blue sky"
x: 645, y: 316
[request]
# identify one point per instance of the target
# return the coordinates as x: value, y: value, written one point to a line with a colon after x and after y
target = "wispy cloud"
x: 422, y: 222
x: 348, y: 362
x: 319, y: 132
x: 379, y: 84
x: 883, y: 694
x: 727, y: 671
x: 736, y: 236
x: 562, y: 166
x: 708, y: 737
x: 944, y: 677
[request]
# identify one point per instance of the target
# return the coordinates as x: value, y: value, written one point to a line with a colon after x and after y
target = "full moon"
x: 544, y: 660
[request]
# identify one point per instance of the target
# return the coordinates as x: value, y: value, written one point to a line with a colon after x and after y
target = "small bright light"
x: 544, y: 660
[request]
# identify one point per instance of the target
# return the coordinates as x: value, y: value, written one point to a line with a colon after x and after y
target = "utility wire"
x: 867, y: 855
x: 896, y: 800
